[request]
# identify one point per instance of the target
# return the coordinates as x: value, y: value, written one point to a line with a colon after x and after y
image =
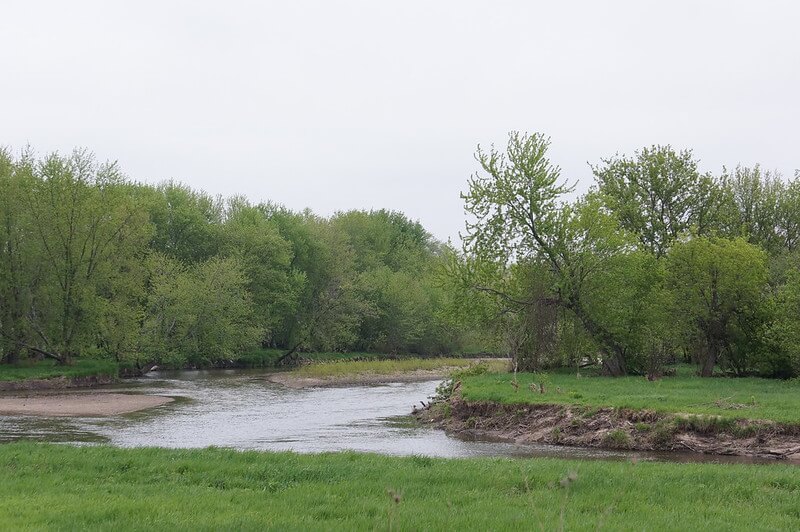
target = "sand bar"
x: 78, y: 404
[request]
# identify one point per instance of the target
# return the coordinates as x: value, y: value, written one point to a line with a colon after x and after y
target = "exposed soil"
x: 295, y: 381
x: 57, y: 383
x: 614, y: 429
x: 78, y: 404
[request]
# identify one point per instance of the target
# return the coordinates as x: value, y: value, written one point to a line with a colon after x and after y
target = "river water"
x: 241, y: 409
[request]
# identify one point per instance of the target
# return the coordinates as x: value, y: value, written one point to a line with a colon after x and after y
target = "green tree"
x: 255, y: 241
x: 783, y: 360
x: 401, y: 314
x: 720, y: 285
x: 187, y: 224
x: 17, y: 270
x: 89, y: 235
x: 658, y: 195
x: 330, y: 307
x: 202, y: 314
x: 517, y: 217
x: 763, y: 208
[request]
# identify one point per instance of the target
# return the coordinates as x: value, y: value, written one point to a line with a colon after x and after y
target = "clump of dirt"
x: 613, y: 428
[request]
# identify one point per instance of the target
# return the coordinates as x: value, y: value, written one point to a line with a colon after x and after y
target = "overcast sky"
x: 336, y: 105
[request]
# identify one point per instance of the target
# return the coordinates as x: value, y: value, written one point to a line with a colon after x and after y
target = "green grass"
x: 48, y: 369
x: 746, y: 398
x: 106, y: 488
x: 265, y: 358
x: 384, y: 367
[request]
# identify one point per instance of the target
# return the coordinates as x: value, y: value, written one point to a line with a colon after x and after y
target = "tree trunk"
x: 288, y: 354
x: 614, y: 365
x: 710, y: 361
x: 12, y: 356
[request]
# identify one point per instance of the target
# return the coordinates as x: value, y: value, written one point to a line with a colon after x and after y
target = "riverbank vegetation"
x: 657, y: 263
x: 48, y: 369
x: 398, y: 366
x: 94, y: 265
x: 53, y: 486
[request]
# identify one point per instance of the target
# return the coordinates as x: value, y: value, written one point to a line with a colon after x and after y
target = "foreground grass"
x: 61, y: 487
x: 746, y: 398
x: 387, y: 367
x: 48, y: 369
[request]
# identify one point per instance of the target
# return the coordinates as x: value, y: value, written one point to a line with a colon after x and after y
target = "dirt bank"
x: 78, y: 404
x: 57, y: 383
x: 614, y: 429
x: 295, y: 381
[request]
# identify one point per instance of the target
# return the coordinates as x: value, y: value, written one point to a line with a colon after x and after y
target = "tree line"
x: 93, y: 264
x: 657, y: 263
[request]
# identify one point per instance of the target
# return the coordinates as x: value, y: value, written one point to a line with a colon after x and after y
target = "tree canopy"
x: 655, y: 264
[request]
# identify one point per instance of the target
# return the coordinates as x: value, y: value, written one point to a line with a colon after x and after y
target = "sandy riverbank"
x: 78, y: 404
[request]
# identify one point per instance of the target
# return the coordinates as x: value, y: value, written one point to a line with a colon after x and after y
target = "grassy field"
x: 746, y: 398
x: 386, y: 367
x: 48, y: 369
x: 93, y: 488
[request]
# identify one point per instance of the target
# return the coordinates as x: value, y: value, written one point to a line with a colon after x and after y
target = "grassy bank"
x: 49, y: 486
x: 746, y: 398
x: 333, y: 369
x: 267, y: 358
x: 48, y: 369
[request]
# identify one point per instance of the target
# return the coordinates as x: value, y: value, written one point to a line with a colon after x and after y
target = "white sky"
x: 335, y: 105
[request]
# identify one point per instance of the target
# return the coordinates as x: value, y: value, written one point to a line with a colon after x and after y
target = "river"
x: 240, y: 409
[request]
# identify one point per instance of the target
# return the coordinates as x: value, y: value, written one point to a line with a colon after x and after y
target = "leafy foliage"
x: 657, y: 263
x: 93, y: 265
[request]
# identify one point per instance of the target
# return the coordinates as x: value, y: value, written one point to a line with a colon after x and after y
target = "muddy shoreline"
x: 610, y: 428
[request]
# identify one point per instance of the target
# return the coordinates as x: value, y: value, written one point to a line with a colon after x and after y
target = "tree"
x: 17, y: 271
x: 762, y: 208
x: 330, y: 307
x: 630, y: 298
x: 201, y: 314
x: 255, y: 241
x: 401, y: 314
x: 783, y: 360
x: 720, y: 285
x: 186, y: 223
x: 517, y: 217
x: 89, y: 235
x: 658, y: 195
